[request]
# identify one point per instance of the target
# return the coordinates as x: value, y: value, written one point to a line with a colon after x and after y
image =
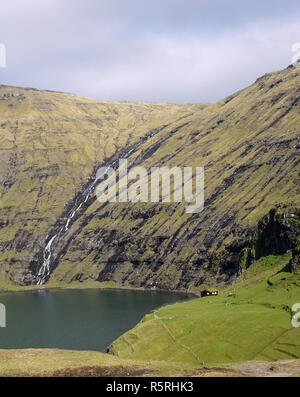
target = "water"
x: 75, y: 319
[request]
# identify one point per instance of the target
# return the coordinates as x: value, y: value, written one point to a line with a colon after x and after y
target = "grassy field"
x: 248, y: 321
x: 62, y: 363
x: 55, y: 362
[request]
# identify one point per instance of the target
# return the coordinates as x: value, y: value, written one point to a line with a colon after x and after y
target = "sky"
x: 183, y: 51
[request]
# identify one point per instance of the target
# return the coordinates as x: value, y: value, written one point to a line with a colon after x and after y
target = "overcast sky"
x: 146, y: 50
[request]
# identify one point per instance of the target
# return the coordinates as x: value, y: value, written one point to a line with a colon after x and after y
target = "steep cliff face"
x: 295, y: 261
x: 277, y: 233
x: 50, y: 143
x: 248, y: 144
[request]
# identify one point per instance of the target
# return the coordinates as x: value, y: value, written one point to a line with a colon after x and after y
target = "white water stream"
x: 44, y: 270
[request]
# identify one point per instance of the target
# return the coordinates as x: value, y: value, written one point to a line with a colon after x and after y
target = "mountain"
x: 53, y: 143
x: 50, y: 144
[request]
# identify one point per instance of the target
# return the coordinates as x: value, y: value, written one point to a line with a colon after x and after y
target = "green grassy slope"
x: 249, y: 146
x: 245, y: 331
x: 55, y: 362
x: 248, y: 321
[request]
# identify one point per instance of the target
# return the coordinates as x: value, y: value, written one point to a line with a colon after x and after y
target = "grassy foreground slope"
x: 245, y: 331
x: 55, y: 362
x: 251, y: 321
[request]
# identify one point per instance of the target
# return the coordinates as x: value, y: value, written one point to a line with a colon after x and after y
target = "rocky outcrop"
x: 277, y: 232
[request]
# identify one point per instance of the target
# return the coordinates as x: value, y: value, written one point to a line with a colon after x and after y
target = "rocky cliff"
x: 53, y: 143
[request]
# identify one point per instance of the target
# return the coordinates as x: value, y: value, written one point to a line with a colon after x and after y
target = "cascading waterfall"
x: 44, y: 270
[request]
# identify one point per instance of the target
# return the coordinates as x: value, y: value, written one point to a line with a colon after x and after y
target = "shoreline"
x: 103, y: 287
x: 187, y: 295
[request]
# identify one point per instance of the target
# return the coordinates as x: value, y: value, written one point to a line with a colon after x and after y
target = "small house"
x: 206, y: 292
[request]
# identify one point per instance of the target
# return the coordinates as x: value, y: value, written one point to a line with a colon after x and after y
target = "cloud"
x: 120, y: 50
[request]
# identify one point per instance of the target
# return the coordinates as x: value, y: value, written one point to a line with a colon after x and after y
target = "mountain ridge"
x: 247, y: 143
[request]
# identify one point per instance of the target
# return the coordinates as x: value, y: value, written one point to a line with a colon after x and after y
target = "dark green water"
x: 75, y: 319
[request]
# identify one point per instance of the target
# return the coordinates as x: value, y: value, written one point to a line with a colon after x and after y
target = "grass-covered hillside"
x: 245, y: 331
x: 249, y: 145
x: 246, y: 322
x: 67, y: 363
x: 52, y: 143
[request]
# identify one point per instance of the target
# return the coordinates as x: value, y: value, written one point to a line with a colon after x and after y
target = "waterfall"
x: 45, y: 269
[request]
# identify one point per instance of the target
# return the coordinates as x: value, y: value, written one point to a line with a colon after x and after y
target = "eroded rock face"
x: 277, y: 232
x: 295, y: 262
x: 50, y: 143
x: 247, y: 143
